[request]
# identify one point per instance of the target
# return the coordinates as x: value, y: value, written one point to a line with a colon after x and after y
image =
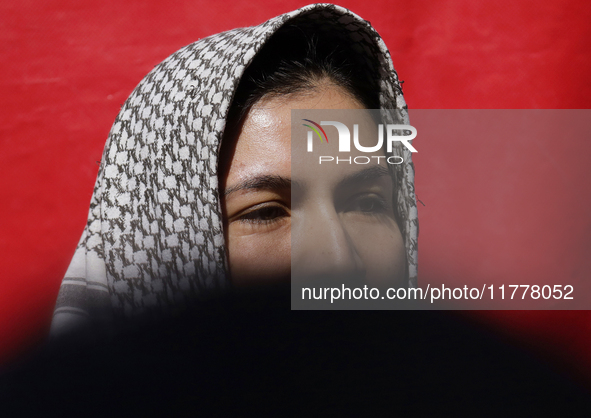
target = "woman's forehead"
x: 264, y: 147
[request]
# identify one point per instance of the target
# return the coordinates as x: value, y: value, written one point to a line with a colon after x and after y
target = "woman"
x: 155, y: 235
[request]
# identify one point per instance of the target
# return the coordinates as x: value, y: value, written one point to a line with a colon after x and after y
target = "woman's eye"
x: 368, y: 204
x: 264, y: 215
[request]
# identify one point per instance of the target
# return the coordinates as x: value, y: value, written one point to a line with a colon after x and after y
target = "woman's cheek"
x: 260, y: 257
x: 381, y: 248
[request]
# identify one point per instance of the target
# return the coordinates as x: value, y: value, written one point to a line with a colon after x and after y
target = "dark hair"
x: 293, y: 62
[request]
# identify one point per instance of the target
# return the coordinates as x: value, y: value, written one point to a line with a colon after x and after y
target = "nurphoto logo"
x: 393, y: 133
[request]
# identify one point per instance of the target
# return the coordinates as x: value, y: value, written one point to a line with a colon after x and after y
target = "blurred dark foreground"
x: 246, y: 353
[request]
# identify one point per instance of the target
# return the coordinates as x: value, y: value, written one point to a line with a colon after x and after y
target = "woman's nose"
x: 322, y: 248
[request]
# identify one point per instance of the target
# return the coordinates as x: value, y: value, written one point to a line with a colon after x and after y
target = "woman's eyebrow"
x: 369, y: 174
x: 263, y: 182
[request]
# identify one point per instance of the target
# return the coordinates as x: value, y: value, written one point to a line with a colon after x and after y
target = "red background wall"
x: 66, y: 66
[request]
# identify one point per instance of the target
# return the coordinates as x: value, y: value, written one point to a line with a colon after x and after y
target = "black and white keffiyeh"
x: 154, y: 236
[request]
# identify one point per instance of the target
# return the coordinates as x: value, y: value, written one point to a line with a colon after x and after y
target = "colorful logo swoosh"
x: 316, y: 130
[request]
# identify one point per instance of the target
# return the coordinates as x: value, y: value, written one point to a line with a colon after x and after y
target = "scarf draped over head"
x: 154, y: 237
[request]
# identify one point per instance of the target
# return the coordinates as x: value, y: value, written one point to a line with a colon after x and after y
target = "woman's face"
x: 312, y: 222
